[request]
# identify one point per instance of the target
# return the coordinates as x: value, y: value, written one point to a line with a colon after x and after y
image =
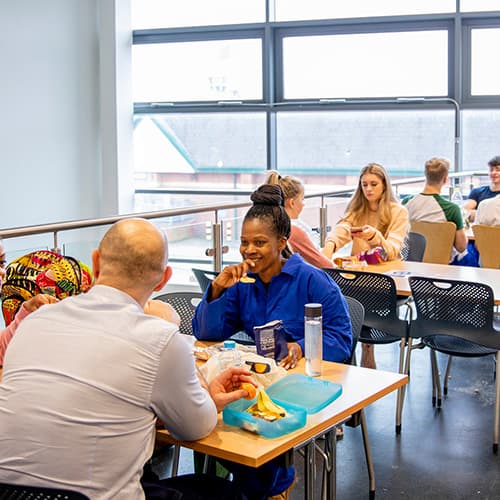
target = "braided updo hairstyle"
x: 268, y: 205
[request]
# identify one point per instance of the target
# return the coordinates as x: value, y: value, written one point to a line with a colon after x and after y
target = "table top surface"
x: 401, y: 270
x: 360, y: 387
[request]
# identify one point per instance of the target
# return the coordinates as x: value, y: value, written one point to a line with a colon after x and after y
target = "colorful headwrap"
x: 38, y: 272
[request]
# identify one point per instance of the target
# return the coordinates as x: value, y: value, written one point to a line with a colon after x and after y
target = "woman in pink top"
x: 300, y: 241
x: 28, y: 307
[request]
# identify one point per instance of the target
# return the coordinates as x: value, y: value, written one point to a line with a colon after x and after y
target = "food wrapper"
x: 270, y: 340
x: 373, y: 256
x: 352, y: 262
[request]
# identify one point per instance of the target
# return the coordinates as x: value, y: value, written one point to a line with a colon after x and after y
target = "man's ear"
x: 96, y: 263
x: 167, y: 274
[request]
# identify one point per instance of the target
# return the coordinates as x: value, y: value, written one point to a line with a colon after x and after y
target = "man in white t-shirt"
x: 488, y: 212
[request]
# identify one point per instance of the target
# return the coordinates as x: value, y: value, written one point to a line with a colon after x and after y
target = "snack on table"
x: 265, y: 408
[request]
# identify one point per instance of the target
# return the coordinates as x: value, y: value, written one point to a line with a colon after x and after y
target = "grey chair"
x: 455, y: 318
x: 185, y: 304
x: 19, y: 492
x: 382, y: 325
x: 416, y: 244
x: 204, y: 277
x: 357, y: 315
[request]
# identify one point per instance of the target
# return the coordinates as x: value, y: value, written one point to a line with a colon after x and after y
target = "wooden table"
x: 361, y: 387
x: 400, y: 270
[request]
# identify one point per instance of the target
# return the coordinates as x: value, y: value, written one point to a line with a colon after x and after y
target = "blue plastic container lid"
x: 310, y: 393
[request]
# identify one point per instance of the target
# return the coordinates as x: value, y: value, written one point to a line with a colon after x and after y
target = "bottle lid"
x: 229, y: 344
x: 314, y: 310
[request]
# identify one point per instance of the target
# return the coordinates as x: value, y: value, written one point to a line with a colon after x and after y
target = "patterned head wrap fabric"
x: 38, y: 272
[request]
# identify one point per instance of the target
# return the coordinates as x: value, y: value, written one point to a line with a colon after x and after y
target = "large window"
x: 197, y: 71
x: 226, y: 90
x: 172, y: 13
x: 366, y: 65
x: 333, y: 146
x: 287, y: 10
x: 485, y: 70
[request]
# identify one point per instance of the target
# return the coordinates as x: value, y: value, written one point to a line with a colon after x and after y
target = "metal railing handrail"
x: 58, y: 227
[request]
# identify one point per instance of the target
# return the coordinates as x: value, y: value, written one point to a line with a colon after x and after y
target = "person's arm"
x: 340, y: 237
x: 302, y: 244
x: 27, y: 308
x: 187, y: 410
x: 396, y: 233
x: 217, y: 319
x: 461, y: 240
x: 471, y: 204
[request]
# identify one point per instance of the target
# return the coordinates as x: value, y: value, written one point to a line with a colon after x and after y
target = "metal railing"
x: 217, y: 236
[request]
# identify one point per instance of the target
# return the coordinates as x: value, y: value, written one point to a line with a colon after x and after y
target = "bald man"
x: 85, y: 379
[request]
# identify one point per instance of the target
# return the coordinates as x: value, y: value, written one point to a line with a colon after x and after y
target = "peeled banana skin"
x: 266, y: 408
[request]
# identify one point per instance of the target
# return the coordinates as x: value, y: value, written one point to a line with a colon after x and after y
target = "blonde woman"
x: 373, y: 218
x: 299, y: 240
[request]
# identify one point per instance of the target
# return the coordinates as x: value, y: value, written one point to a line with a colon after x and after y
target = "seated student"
x: 300, y: 240
x: 85, y: 379
x: 373, y: 218
x: 479, y: 194
x: 27, y: 307
x: 282, y: 284
x: 488, y: 212
x: 430, y: 206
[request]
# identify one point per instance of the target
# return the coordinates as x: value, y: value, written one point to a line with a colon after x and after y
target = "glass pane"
x: 211, y: 148
x: 480, y: 138
x: 328, y: 149
x: 366, y: 65
x: 172, y: 13
x: 287, y: 10
x: 485, y: 70
x: 197, y: 71
x: 479, y: 5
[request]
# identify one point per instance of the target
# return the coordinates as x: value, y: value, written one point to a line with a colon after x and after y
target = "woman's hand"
x: 38, y: 301
x: 229, y: 276
x: 294, y: 354
x: 367, y: 233
x: 226, y: 386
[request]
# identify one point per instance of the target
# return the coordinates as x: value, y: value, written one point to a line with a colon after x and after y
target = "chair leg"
x: 175, y: 461
x: 404, y: 366
x: 368, y: 454
x: 497, y: 408
x: 447, y: 376
x: 436, y: 383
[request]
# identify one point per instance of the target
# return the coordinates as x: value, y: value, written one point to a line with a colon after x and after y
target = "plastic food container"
x: 313, y: 395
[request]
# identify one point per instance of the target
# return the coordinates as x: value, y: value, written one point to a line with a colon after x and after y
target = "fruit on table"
x: 266, y: 408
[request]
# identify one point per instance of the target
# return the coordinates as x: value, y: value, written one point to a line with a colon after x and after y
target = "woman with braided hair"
x: 270, y: 284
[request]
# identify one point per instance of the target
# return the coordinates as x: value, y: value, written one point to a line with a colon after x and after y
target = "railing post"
x: 56, y: 246
x: 323, y: 222
x: 217, y: 242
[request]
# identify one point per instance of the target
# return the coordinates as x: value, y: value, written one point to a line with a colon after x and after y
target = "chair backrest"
x: 456, y: 308
x: 377, y: 294
x: 204, y: 277
x: 185, y: 304
x: 488, y: 245
x: 357, y: 315
x: 439, y: 237
x: 18, y: 492
x: 415, y: 247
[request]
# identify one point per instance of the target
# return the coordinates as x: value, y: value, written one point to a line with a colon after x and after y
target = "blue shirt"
x: 482, y: 193
x: 245, y: 305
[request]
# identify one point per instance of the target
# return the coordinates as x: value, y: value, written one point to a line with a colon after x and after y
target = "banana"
x: 266, y: 408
